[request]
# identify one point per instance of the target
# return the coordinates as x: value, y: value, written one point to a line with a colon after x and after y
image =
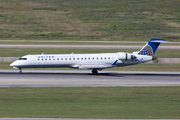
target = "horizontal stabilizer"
x: 157, y: 41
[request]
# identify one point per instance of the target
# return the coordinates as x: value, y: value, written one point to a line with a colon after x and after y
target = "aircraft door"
x: 33, y: 59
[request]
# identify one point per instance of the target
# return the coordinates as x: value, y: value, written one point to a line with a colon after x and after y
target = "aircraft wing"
x: 97, y: 66
x: 94, y: 66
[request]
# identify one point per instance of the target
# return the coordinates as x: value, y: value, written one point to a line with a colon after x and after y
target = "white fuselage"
x: 80, y: 61
x: 90, y: 61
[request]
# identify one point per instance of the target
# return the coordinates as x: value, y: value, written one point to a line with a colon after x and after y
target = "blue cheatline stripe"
x: 115, y: 62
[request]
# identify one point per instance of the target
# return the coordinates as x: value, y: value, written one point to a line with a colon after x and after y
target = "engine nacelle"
x: 126, y: 56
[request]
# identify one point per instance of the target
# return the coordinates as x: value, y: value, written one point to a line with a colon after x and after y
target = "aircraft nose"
x: 12, y: 64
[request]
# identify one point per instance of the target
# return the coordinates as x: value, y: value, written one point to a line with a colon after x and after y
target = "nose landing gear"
x: 20, y: 70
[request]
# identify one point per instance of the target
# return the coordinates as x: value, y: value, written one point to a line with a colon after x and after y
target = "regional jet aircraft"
x: 94, y: 62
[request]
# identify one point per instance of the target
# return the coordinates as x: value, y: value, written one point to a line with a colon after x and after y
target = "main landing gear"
x: 94, y: 72
x: 20, y: 70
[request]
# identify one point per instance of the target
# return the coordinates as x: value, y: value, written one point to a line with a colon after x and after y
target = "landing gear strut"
x: 20, y: 70
x: 94, y: 72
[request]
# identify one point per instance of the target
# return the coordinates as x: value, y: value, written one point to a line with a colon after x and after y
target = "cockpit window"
x: 22, y: 58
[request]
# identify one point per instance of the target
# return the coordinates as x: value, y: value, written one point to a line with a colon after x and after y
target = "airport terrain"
x: 85, y: 46
x: 144, y: 91
x: 90, y: 102
x: 110, y: 20
x: 71, y: 119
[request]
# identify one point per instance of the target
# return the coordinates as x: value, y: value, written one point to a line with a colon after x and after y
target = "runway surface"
x: 81, y: 78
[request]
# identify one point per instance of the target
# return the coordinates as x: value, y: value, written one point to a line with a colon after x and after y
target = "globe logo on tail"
x: 147, y: 50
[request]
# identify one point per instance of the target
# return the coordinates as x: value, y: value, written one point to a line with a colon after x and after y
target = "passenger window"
x: 77, y: 58
x: 61, y: 58
x: 58, y: 59
x: 97, y: 58
x: 69, y: 58
x: 73, y: 58
x: 65, y: 58
x: 101, y: 58
x: 81, y: 58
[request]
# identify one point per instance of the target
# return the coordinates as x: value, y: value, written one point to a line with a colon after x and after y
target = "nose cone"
x: 12, y: 64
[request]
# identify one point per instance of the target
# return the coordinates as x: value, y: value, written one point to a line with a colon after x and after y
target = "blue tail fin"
x: 151, y: 47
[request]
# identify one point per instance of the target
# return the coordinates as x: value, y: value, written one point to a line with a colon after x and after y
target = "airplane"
x: 95, y: 62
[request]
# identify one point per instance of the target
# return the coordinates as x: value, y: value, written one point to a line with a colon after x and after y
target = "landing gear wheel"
x: 94, y: 72
x: 20, y: 70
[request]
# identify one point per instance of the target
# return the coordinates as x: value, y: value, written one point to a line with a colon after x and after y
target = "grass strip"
x: 132, y: 20
x: 91, y: 102
x: 71, y: 42
x: 18, y: 52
